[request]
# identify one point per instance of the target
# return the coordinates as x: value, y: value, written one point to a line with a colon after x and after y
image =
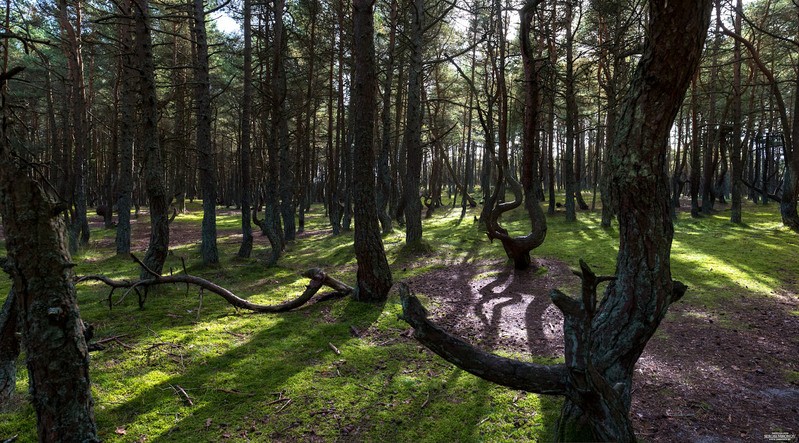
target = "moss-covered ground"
x: 256, y: 377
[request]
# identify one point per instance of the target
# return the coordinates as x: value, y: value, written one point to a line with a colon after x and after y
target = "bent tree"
x: 604, y: 341
x: 518, y: 248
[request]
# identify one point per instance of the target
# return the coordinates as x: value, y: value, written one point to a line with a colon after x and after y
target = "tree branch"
x: 318, y: 279
x: 530, y: 377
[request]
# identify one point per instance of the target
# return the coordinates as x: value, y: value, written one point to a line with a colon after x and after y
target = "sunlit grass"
x: 275, y: 377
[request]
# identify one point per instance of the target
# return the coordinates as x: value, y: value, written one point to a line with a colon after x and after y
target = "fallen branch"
x: 334, y: 348
x: 318, y: 279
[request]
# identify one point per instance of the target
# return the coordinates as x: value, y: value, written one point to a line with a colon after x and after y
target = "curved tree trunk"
x: 518, y: 248
x: 637, y: 301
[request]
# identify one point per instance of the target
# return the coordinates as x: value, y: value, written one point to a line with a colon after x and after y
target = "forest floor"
x: 724, y: 365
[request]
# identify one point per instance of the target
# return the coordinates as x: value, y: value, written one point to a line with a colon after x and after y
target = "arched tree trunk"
x: 518, y: 248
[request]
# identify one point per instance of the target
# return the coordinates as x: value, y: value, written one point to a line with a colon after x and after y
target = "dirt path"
x: 707, y: 376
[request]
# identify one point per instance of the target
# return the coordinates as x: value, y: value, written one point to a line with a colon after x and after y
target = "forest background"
x: 148, y: 108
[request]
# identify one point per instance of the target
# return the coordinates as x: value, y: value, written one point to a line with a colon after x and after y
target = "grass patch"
x: 275, y: 377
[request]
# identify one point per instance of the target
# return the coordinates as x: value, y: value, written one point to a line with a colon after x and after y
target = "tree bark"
x: 47, y: 310
x: 571, y: 119
x: 126, y: 130
x: 153, y: 163
x: 413, y: 129
x: 9, y: 349
x: 287, y: 185
x: 246, y: 110
x: 737, y: 145
x: 374, y: 275
x: 73, y: 43
x: 383, y: 171
x: 206, y: 157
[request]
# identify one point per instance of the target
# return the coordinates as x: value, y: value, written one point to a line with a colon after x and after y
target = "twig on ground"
x: 334, y: 348
x: 183, y: 394
x: 284, y: 406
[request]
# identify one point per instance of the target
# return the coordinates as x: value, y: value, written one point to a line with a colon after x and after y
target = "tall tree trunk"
x: 374, y: 275
x: 331, y: 184
x: 272, y: 226
x: 383, y: 171
x: 412, y: 139
x: 571, y: 118
x: 244, y: 161
x: 206, y: 156
x: 80, y: 134
x: 287, y: 178
x: 156, y: 253
x: 696, y: 150
x: 128, y: 73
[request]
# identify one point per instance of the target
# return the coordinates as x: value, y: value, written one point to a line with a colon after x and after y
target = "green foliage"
x: 276, y: 377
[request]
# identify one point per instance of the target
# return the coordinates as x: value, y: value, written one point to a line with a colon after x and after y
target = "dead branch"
x: 183, y: 394
x: 318, y: 279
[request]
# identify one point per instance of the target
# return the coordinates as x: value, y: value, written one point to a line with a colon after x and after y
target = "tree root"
x: 318, y: 279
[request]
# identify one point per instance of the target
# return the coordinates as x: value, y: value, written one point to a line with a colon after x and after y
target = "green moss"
x: 275, y: 377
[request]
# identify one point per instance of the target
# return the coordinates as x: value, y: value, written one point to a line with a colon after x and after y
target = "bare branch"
x: 515, y: 374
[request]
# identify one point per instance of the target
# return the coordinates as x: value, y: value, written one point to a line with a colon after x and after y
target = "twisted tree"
x: 605, y: 339
x: 518, y: 248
